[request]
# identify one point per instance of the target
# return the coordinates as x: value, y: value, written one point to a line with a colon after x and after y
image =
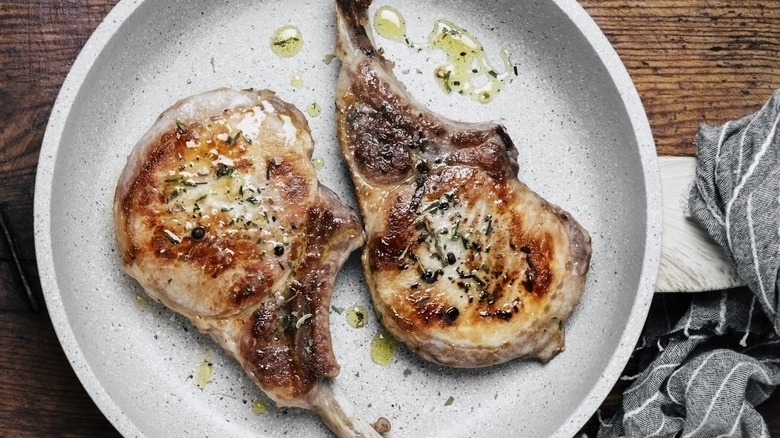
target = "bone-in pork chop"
x: 220, y: 217
x: 466, y: 265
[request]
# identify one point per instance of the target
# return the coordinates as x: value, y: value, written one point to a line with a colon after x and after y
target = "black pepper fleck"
x: 431, y: 276
x: 451, y: 258
x: 198, y: 233
x: 451, y: 314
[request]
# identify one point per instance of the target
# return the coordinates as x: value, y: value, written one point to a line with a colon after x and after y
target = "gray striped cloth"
x: 701, y: 374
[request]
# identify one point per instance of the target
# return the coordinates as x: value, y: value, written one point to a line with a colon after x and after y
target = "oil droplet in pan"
x: 140, y: 301
x: 314, y: 109
x: 259, y: 407
x: 296, y: 81
x: 287, y: 41
x: 383, y: 348
x: 467, y: 71
x: 390, y: 24
x: 204, y: 370
x: 357, y: 316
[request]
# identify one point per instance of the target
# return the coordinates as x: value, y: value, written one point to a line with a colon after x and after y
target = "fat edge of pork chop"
x: 220, y: 217
x: 465, y: 264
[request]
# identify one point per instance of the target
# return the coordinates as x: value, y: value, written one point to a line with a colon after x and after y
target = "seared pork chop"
x: 220, y: 217
x: 466, y: 265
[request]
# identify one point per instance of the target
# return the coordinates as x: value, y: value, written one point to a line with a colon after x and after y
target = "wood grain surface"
x: 693, y: 62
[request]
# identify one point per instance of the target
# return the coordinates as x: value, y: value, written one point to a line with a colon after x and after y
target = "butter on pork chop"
x: 466, y: 265
x: 220, y: 217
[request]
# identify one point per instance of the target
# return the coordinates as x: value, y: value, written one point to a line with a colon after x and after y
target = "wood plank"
x: 12, y: 296
x: 18, y: 274
x: 39, y: 393
x: 40, y: 41
x: 11, y: 289
x: 19, y: 219
x: 694, y: 61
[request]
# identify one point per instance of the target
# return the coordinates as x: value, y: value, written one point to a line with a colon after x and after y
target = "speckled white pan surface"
x: 584, y: 144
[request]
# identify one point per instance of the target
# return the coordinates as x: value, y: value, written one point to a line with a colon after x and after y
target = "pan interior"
x: 583, y: 144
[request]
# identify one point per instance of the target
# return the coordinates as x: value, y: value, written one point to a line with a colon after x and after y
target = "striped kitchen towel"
x: 703, y: 375
x: 736, y: 197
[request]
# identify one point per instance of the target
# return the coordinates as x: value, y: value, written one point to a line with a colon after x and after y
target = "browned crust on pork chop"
x: 466, y: 265
x: 219, y: 216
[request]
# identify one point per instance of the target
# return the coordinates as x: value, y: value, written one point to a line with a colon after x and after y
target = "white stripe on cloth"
x: 756, y: 160
x: 686, y: 331
x: 743, y: 341
x: 744, y: 134
x: 717, y: 395
x: 766, y: 361
x: 636, y: 386
x: 641, y: 408
x: 660, y: 428
x: 736, y: 422
x: 722, y: 314
x: 721, y: 139
x: 693, y: 376
x: 717, y: 215
x: 604, y: 423
x: 713, y: 212
x: 742, y: 146
x: 764, y: 393
x: 754, y: 252
x: 778, y: 227
x: 764, y: 432
x: 767, y: 343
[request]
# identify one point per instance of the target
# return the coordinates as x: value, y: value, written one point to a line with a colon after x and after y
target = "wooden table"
x: 693, y: 62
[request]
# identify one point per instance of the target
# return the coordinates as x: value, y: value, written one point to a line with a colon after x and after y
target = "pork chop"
x: 220, y: 217
x: 466, y: 265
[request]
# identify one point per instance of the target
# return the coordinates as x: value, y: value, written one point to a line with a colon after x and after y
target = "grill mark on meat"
x: 142, y: 193
x: 268, y: 352
x: 250, y: 289
x: 484, y: 152
x: 380, y: 156
x: 386, y: 250
x: 292, y: 185
x: 308, y: 343
x: 382, y: 134
x: 428, y: 312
